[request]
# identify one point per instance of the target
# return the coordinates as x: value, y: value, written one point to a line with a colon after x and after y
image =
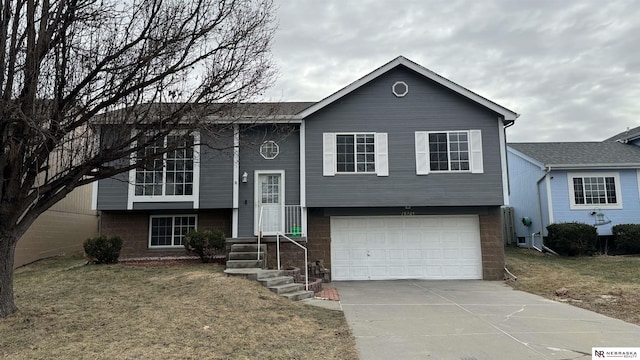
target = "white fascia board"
x: 596, y: 166
x: 509, y: 116
x: 283, y: 119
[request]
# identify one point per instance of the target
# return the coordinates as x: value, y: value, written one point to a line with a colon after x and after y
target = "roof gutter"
x: 595, y: 166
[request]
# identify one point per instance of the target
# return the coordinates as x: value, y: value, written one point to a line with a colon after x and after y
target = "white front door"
x: 269, y: 200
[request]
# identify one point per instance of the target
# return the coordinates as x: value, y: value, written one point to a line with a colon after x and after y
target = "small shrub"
x: 103, y: 249
x: 205, y: 243
x: 572, y: 239
x: 627, y: 238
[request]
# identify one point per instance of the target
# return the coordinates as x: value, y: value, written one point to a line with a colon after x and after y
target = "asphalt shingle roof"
x: 581, y: 153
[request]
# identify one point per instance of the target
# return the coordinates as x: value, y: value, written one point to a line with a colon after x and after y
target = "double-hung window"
x: 169, y: 230
x: 169, y: 175
x: 355, y: 153
x: 448, y: 151
x: 594, y: 190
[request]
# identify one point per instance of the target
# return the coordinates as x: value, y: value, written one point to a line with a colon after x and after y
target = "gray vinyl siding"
x: 216, y: 170
x: 250, y: 160
x: 168, y: 205
x: 216, y: 178
x: 427, y: 107
x: 401, y: 211
x: 113, y: 192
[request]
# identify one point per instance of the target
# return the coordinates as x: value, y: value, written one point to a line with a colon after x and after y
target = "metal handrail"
x: 306, y: 266
x: 259, y: 233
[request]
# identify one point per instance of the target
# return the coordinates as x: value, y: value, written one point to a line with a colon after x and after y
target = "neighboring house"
x: 590, y: 182
x: 59, y: 230
x: 401, y: 174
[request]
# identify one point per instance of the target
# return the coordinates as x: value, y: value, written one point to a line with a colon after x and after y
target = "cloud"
x: 571, y: 68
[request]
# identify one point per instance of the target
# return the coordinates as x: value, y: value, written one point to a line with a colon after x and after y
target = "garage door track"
x: 422, y: 319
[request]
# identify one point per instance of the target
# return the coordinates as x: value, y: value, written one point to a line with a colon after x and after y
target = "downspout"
x: 541, y: 232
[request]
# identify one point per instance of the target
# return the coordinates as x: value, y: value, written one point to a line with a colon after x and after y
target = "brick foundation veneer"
x: 133, y: 227
x: 319, y: 239
x: 492, y: 245
x: 319, y: 242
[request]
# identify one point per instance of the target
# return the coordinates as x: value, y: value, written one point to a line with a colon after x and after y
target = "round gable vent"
x: 400, y: 88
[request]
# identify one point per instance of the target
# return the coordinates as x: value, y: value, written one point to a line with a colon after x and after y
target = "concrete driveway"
x: 416, y: 319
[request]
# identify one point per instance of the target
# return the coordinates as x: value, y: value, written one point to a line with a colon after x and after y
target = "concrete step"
x: 265, y: 274
x: 234, y: 264
x: 298, y: 295
x: 250, y: 273
x: 245, y: 255
x: 248, y: 248
x: 278, y: 280
x: 286, y: 288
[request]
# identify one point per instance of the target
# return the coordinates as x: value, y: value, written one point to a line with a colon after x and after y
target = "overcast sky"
x: 570, y: 68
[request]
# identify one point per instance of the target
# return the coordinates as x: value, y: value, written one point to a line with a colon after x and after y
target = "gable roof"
x: 627, y: 135
x: 216, y: 112
x: 574, y: 155
x: 509, y: 115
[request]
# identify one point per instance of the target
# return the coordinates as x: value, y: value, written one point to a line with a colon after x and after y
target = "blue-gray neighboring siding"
x: 427, y: 107
x: 288, y: 139
x: 527, y: 197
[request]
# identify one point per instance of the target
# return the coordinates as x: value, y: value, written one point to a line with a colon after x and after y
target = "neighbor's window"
x: 355, y: 153
x: 169, y: 231
x: 169, y: 174
x: 595, y: 190
x: 449, y: 151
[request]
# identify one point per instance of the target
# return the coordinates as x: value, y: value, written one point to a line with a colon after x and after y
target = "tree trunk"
x: 7, y: 252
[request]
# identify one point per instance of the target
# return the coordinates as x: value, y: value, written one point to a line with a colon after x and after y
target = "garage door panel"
x: 427, y: 247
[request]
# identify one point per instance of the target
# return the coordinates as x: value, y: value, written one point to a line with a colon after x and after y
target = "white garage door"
x: 405, y: 247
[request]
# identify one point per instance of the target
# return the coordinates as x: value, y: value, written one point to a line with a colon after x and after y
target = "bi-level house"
x: 400, y: 174
x: 595, y: 183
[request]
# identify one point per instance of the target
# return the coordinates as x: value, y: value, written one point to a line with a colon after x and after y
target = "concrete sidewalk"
x: 415, y: 319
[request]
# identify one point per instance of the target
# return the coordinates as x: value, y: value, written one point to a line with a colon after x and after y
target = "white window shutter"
x: 422, y: 153
x: 475, y: 147
x: 329, y: 154
x: 382, y: 154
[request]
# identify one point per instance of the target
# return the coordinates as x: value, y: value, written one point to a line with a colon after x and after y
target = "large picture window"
x: 169, y: 174
x: 595, y: 190
x: 169, y: 231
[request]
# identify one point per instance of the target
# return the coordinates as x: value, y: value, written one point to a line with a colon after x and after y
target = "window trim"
x: 172, y: 216
x: 194, y: 197
x: 423, y: 152
x: 274, y: 145
x: 572, y: 198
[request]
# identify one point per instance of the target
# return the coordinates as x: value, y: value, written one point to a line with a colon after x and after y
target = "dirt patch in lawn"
x: 609, y: 285
x: 69, y: 310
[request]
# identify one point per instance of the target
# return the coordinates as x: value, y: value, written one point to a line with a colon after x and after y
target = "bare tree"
x: 70, y: 66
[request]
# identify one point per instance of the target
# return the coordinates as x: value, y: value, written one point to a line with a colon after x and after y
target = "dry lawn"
x: 72, y: 311
x: 609, y: 285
